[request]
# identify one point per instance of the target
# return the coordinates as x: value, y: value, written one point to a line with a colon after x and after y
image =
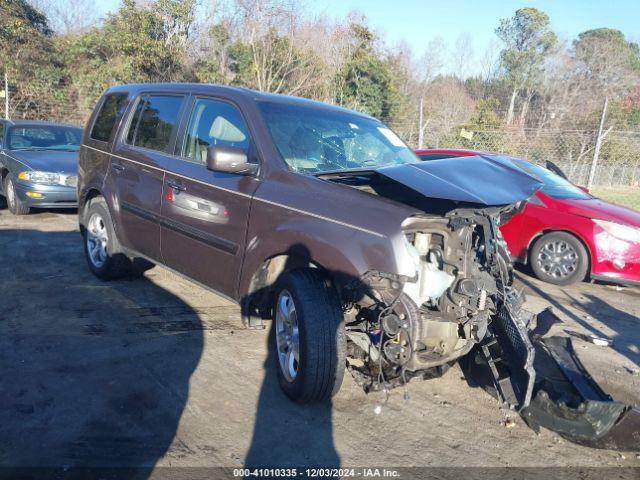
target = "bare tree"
x: 463, y: 55
x: 69, y: 16
x: 269, y: 28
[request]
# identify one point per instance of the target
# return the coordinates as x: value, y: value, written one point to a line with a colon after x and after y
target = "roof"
x: 247, y: 93
x: 35, y: 123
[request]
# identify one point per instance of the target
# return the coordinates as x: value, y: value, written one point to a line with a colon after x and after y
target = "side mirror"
x: 229, y: 160
x: 555, y: 169
x: 584, y: 189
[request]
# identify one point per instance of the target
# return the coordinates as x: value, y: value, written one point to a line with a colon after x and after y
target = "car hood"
x: 600, y: 210
x: 47, y: 160
x: 489, y: 180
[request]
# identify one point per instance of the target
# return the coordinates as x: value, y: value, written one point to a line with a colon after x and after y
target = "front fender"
x: 345, y: 253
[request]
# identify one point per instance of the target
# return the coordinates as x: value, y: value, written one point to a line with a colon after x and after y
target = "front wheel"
x: 16, y: 206
x: 310, y: 346
x: 559, y: 258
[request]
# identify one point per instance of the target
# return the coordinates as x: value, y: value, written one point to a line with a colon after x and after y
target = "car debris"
x: 599, y: 341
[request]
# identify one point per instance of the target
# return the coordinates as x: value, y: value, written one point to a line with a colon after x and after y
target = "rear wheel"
x: 559, y: 258
x: 16, y: 206
x: 310, y: 345
x: 101, y: 247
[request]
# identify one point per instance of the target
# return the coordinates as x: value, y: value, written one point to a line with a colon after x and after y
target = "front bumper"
x: 52, y: 196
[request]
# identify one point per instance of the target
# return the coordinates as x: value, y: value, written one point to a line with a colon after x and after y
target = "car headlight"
x: 44, y: 178
x: 622, y: 232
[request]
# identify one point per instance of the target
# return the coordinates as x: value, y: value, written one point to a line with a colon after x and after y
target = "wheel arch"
x: 263, y: 279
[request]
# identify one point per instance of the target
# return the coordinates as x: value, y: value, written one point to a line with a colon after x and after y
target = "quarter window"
x: 111, y: 111
x: 153, y: 122
x: 213, y: 122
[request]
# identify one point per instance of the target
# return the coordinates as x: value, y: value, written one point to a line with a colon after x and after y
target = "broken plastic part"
x: 591, y: 417
x: 566, y: 399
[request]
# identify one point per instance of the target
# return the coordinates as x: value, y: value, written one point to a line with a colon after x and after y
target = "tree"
x: 135, y: 44
x: 28, y: 56
x: 528, y: 41
x: 607, y: 61
x: 366, y: 82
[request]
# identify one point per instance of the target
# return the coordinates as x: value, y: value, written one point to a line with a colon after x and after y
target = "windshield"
x: 553, y: 185
x: 44, y: 137
x: 313, y: 140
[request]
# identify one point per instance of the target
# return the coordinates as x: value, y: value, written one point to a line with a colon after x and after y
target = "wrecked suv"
x: 322, y: 220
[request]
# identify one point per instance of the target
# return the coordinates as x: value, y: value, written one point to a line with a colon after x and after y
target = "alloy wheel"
x: 558, y: 259
x: 97, y: 239
x: 11, y: 193
x: 287, y: 336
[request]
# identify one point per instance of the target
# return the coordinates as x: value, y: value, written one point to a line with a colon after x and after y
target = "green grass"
x: 627, y: 196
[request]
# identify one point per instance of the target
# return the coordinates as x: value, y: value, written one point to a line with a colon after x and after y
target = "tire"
x: 16, y: 206
x: 97, y: 227
x: 559, y: 258
x: 321, y: 337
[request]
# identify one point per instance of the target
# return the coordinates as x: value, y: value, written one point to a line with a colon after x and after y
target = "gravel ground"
x: 158, y: 371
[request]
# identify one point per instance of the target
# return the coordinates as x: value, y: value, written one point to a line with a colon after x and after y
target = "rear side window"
x: 1, y: 134
x: 153, y: 122
x: 111, y: 111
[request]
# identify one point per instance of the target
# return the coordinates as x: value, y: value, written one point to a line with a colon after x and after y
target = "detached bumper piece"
x: 564, y: 399
x: 570, y: 402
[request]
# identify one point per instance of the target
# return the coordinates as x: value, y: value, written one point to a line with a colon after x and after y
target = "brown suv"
x: 323, y: 220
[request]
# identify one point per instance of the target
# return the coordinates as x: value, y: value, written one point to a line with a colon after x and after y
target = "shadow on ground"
x: 286, y: 434
x: 92, y: 374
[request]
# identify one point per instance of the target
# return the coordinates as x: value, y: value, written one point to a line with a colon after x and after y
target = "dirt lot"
x: 158, y: 371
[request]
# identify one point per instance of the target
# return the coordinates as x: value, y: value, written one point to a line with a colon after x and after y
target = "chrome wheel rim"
x: 97, y: 239
x: 558, y: 259
x: 287, y: 336
x: 11, y: 193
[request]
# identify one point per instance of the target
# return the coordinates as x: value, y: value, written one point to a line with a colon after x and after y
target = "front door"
x: 137, y: 169
x: 205, y: 213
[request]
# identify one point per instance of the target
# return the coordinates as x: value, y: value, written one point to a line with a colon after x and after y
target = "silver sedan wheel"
x: 11, y: 193
x: 558, y: 259
x: 287, y: 336
x: 97, y: 239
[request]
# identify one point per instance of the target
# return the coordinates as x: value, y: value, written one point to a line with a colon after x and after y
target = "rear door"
x: 137, y: 166
x: 205, y: 213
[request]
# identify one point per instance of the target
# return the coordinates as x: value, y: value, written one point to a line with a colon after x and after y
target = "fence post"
x: 596, y: 153
x: 6, y: 96
x: 420, y: 129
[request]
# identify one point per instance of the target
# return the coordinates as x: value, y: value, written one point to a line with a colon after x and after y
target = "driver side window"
x: 213, y: 122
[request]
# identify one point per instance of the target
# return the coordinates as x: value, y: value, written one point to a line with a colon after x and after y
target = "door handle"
x: 117, y: 167
x: 176, y: 186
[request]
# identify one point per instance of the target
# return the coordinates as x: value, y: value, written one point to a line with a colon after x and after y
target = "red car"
x: 565, y: 234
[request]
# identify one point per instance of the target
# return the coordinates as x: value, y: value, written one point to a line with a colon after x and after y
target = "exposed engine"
x: 462, y: 274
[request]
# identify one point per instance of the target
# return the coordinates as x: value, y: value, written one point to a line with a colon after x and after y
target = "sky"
x: 418, y: 21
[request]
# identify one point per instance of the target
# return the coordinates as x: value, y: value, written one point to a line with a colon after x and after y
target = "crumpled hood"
x: 489, y: 180
x: 47, y: 160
